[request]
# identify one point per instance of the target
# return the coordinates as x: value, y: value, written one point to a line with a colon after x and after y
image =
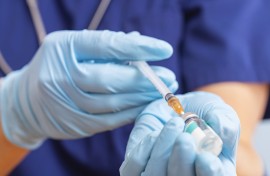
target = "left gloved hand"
x: 77, y: 85
x: 157, y: 145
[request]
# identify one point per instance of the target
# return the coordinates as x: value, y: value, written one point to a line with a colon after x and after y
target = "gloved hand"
x: 157, y: 145
x: 77, y: 85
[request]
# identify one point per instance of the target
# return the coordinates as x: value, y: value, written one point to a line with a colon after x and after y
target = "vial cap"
x: 188, y: 115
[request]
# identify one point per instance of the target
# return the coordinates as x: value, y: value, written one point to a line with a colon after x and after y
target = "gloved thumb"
x: 208, y: 164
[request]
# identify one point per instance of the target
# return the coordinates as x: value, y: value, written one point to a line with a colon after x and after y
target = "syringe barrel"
x: 150, y: 74
x: 174, y: 103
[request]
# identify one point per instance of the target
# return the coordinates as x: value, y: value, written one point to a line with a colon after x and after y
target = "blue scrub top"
x: 213, y: 41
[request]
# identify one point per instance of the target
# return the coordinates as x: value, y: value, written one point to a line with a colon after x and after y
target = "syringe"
x: 206, y: 139
x: 160, y: 86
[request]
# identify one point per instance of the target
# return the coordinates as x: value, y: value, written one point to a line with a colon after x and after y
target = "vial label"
x: 195, y: 131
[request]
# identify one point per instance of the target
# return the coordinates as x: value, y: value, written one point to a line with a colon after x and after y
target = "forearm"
x: 10, y: 154
x: 249, y: 101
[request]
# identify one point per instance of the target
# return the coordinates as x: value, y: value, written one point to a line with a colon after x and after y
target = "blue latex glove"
x: 77, y: 85
x: 157, y: 145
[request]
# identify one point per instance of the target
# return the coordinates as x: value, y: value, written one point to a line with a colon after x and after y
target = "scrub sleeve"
x: 226, y: 41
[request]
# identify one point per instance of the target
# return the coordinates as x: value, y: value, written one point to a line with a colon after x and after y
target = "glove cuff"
x: 16, y: 124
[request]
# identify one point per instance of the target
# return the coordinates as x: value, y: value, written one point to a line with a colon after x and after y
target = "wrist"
x: 15, y: 113
x: 11, y: 154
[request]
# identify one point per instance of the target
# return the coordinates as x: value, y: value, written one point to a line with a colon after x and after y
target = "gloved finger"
x: 182, y: 159
x: 218, y: 115
x: 226, y: 124
x: 156, y: 111
x: 145, y: 124
x: 208, y: 164
x: 107, y: 103
x: 113, y: 78
x: 153, y: 118
x: 136, y: 160
x: 113, y: 45
x: 102, y: 103
x: 78, y: 124
x: 118, y: 45
x: 228, y: 164
x: 120, y: 92
x: 134, y: 33
x: 158, y: 162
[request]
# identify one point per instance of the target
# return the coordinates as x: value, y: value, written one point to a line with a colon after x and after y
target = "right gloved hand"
x: 75, y: 86
x: 158, y: 146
